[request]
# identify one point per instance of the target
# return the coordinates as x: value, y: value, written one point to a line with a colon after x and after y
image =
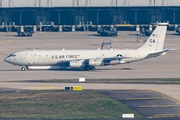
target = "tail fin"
x: 156, y: 40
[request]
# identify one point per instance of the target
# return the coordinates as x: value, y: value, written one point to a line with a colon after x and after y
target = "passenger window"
x: 52, y: 56
x: 56, y: 56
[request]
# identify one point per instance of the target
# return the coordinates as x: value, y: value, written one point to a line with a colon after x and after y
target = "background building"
x: 99, y: 12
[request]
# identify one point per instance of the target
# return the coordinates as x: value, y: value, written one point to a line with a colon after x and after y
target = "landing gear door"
x: 22, y: 56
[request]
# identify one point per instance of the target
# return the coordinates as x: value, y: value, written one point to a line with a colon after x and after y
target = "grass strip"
x: 58, y: 104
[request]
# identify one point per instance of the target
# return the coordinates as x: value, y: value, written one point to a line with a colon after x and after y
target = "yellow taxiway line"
x: 167, y: 115
x: 164, y: 115
x: 131, y: 92
x: 160, y: 106
x: 167, y: 95
x: 116, y: 39
x: 10, y: 40
x: 145, y: 98
x: 45, y: 87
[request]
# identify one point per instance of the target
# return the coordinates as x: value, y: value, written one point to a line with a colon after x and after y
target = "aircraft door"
x: 22, y: 56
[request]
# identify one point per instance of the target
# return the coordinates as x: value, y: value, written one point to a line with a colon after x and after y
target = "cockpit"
x: 11, y: 58
x: 11, y: 55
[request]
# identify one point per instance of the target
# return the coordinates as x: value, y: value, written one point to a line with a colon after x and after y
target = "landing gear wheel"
x: 23, y: 68
x: 92, y: 68
x: 89, y: 68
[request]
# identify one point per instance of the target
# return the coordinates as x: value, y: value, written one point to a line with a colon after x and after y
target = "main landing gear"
x: 23, y: 68
x: 89, y: 68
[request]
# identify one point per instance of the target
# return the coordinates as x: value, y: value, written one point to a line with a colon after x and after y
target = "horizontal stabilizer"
x: 158, y: 53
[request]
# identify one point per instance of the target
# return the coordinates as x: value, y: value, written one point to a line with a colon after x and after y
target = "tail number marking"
x: 152, y: 40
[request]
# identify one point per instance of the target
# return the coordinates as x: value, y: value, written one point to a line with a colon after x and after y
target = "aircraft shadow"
x: 138, y: 35
x: 117, y: 69
x: 133, y: 34
x: 175, y: 34
x: 73, y: 69
x: 16, y: 36
x: 9, y: 35
x: 76, y: 69
x: 97, y: 35
x: 10, y: 70
x: 21, y: 36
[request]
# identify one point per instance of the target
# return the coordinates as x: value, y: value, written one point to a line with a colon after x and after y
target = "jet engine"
x: 77, y: 64
x: 96, y: 62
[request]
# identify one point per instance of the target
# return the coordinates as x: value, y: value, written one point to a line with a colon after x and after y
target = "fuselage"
x: 59, y: 57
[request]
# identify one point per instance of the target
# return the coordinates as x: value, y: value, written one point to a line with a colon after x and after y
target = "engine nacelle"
x: 77, y: 64
x: 115, y: 62
x: 96, y: 62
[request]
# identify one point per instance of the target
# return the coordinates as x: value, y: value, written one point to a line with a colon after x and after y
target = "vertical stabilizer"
x: 156, y: 41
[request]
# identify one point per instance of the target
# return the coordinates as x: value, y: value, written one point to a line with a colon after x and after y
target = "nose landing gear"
x: 23, y: 68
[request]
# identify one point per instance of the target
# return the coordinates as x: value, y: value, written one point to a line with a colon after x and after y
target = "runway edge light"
x: 127, y: 115
x: 76, y: 88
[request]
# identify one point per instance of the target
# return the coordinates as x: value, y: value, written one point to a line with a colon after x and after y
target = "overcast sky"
x: 57, y: 3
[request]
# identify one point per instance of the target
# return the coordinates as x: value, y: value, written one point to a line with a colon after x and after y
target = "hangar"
x: 77, y: 12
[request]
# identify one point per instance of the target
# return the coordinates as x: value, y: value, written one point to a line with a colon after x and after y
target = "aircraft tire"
x: 23, y: 68
x: 87, y: 68
x: 92, y: 68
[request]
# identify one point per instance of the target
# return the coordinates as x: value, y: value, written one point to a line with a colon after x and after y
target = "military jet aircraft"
x: 88, y: 59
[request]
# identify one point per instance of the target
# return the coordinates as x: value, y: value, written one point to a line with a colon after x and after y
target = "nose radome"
x: 5, y: 59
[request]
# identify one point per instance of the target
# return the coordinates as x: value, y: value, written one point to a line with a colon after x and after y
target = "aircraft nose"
x: 6, y: 59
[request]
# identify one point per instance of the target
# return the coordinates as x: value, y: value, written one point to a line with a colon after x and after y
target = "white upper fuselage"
x: 55, y: 57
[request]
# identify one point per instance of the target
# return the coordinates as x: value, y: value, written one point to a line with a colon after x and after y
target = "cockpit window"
x: 12, y: 55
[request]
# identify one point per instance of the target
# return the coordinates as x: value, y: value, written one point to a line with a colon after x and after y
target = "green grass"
x: 58, y: 104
